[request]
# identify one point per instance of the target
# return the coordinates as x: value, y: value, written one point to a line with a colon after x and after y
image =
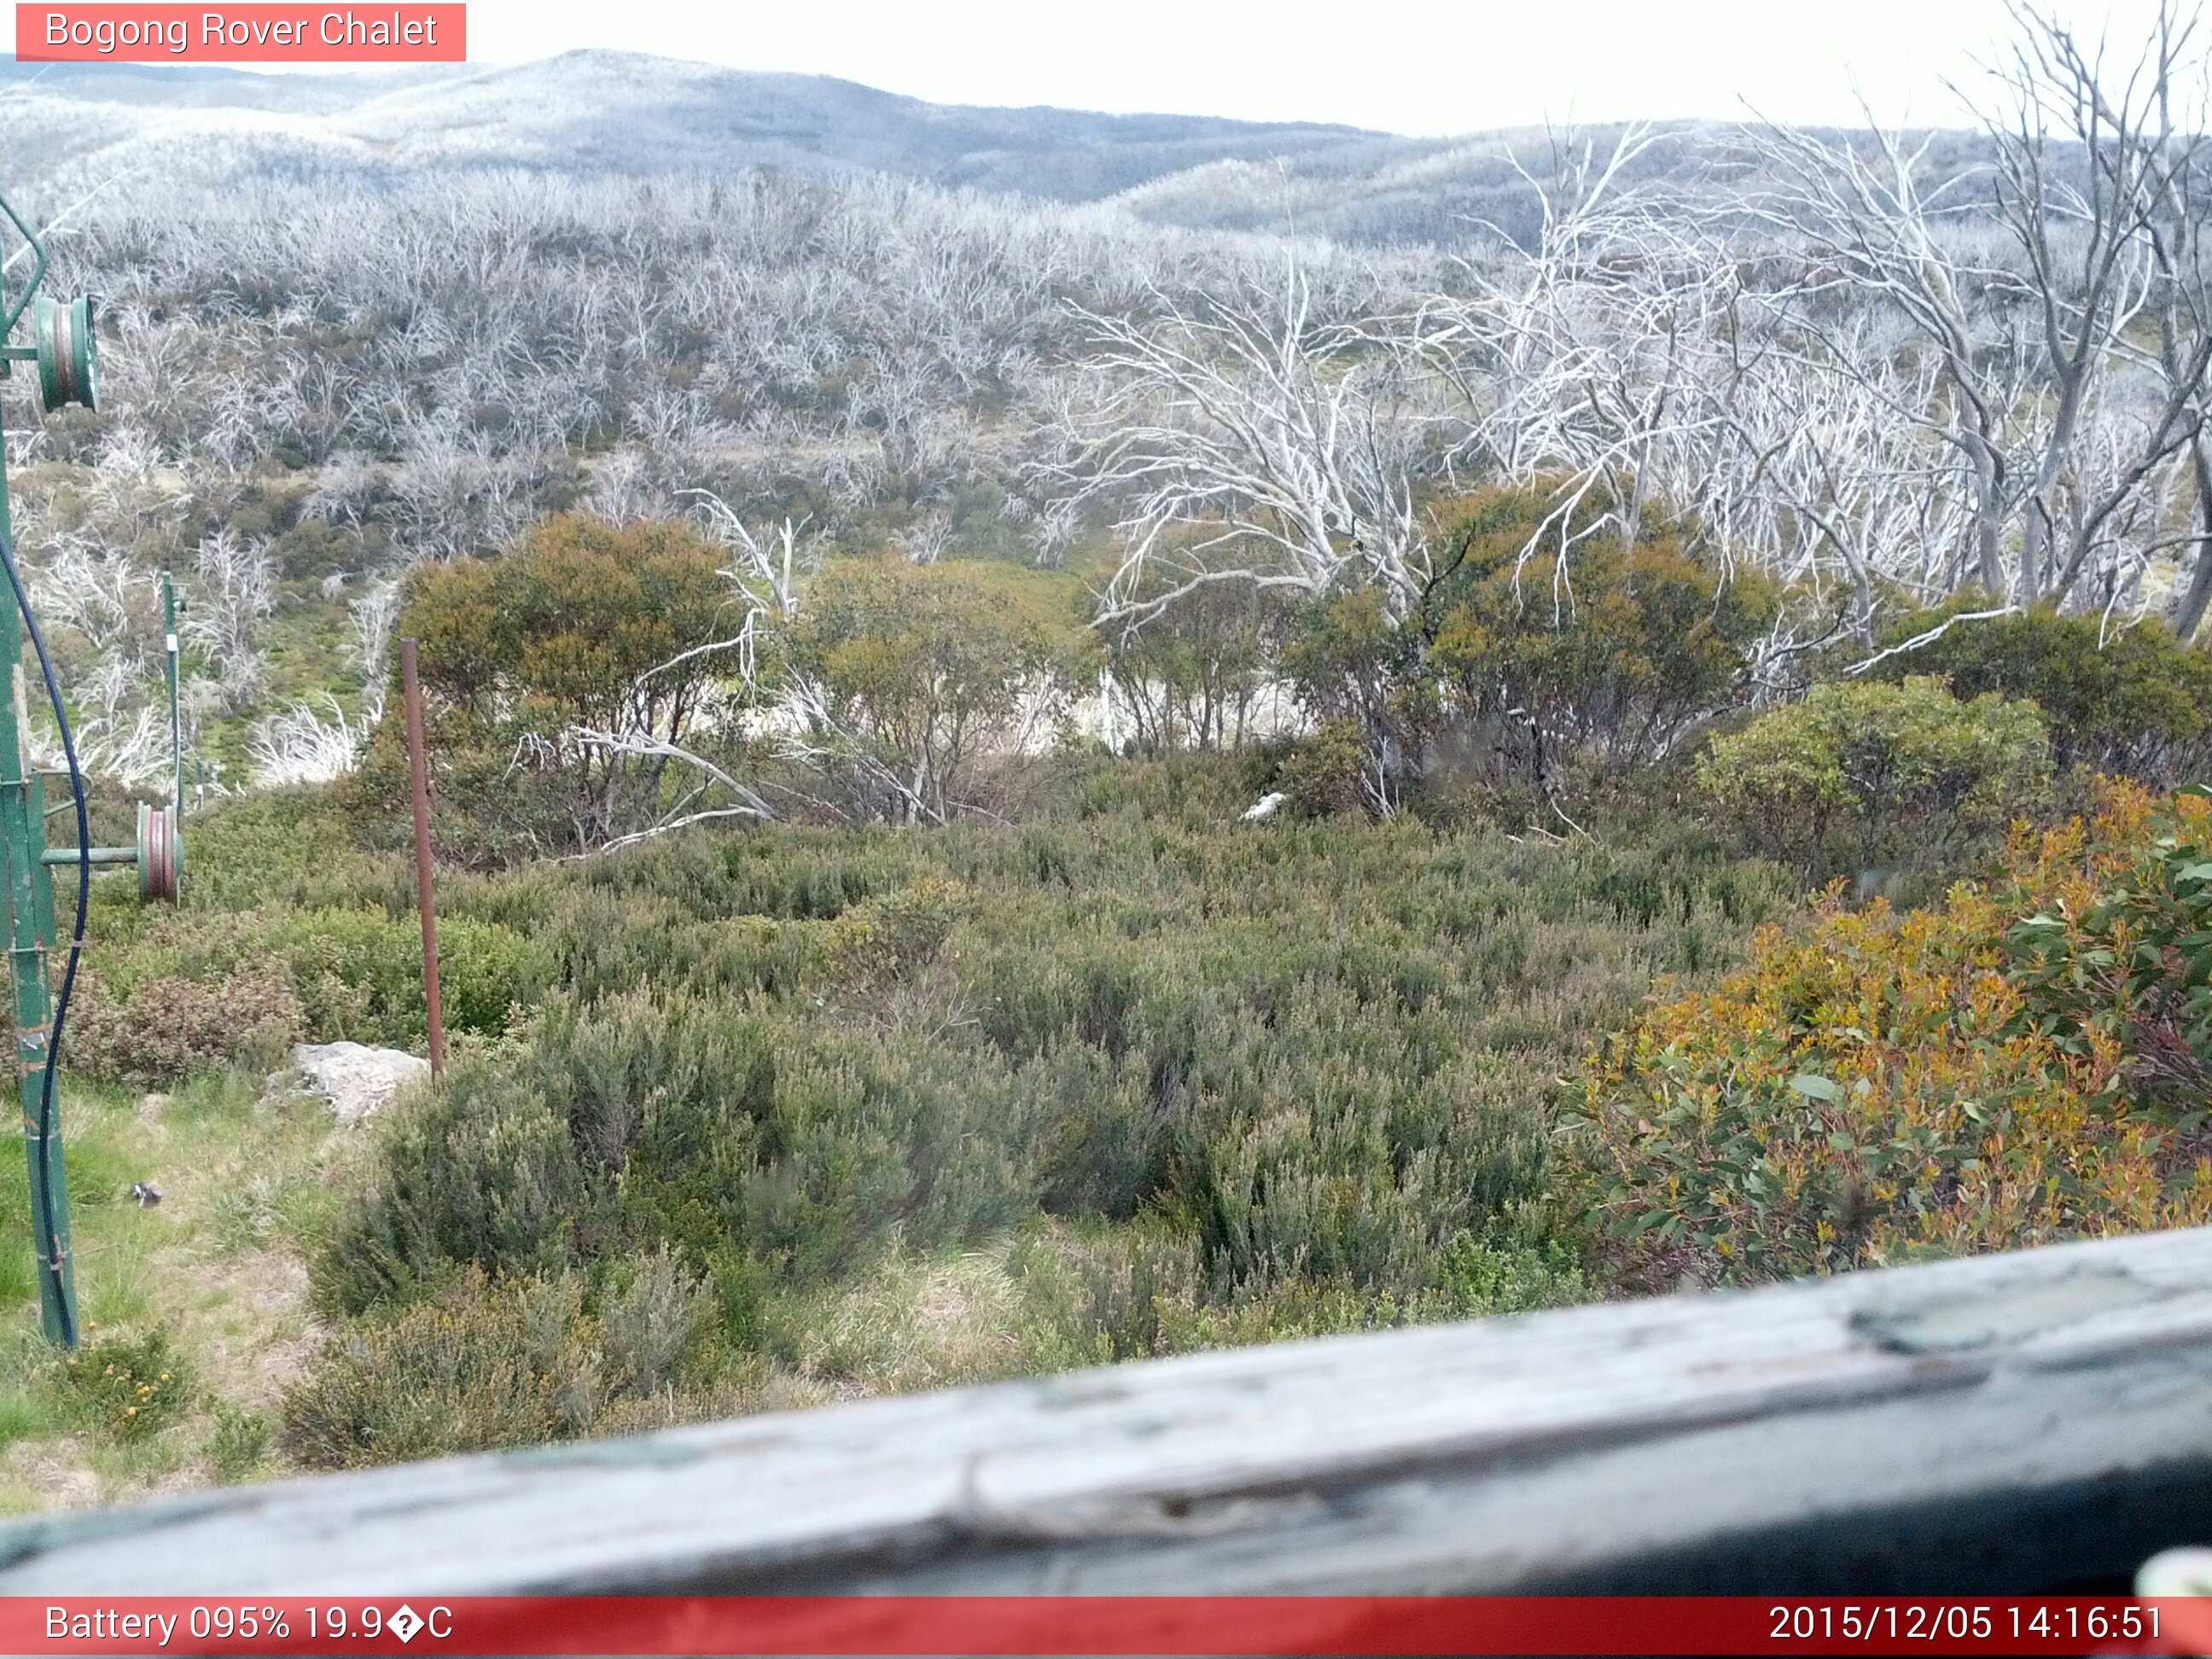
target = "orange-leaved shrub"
x: 1997, y: 1072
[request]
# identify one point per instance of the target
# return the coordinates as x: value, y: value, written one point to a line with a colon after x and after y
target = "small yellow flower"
x: 165, y: 1376
x: 130, y: 1411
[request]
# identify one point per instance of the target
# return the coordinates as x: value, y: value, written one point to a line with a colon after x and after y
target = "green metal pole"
x: 22, y: 843
x: 176, y: 719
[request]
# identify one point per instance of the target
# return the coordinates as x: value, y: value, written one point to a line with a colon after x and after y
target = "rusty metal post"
x: 417, y: 765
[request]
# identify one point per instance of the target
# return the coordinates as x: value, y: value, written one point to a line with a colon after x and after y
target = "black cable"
x: 50, y: 1259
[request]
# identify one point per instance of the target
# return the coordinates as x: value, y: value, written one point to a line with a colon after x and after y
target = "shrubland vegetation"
x: 2024, y: 1063
x: 1011, y: 796
x: 787, y: 1112
x: 783, y: 1107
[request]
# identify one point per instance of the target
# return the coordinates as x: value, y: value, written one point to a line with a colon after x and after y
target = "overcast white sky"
x: 1415, y: 66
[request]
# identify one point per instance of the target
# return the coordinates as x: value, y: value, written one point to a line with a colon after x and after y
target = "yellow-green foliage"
x: 566, y: 621
x: 927, y: 677
x: 1607, y: 648
x: 128, y: 1387
x: 1861, y: 775
x: 1969, y: 1076
x: 557, y: 634
x: 2124, y: 954
x: 1544, y: 645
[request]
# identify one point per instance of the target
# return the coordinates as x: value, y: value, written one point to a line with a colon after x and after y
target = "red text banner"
x: 1257, y: 1625
x: 242, y: 35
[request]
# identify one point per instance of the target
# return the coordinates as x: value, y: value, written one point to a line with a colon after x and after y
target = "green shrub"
x: 128, y: 1387
x: 239, y: 1442
x: 1863, y: 776
x: 351, y: 974
x: 289, y: 848
x: 653, y: 1320
x: 360, y: 973
x: 1542, y: 648
x: 556, y: 634
x: 1478, y: 1274
x: 478, y: 1368
x: 1362, y: 673
x: 689, y: 1124
x: 480, y: 1171
x: 1609, y: 655
x: 1327, y: 772
x: 888, y: 938
x: 1099, y: 1297
x: 170, y: 1026
x: 2125, y: 701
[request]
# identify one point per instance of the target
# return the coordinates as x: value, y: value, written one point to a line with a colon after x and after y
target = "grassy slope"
x: 217, y: 1266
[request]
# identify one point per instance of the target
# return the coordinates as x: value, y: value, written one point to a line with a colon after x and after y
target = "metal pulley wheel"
x: 68, y: 368
x: 161, y: 854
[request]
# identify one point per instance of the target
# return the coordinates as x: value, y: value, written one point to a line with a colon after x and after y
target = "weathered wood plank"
x: 1921, y: 1417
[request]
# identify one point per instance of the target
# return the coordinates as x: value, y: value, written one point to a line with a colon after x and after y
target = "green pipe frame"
x: 32, y: 928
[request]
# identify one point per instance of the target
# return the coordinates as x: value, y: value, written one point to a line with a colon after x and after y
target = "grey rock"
x: 356, y: 1078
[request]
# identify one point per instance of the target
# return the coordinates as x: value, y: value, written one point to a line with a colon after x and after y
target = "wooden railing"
x: 2024, y: 1422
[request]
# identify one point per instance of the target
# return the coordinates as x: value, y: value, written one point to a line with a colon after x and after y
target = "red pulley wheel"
x: 160, y: 855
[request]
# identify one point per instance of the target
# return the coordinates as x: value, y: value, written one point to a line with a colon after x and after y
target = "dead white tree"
x: 302, y: 743
x: 1255, y: 442
x: 237, y: 590
x: 375, y: 614
x: 2029, y: 288
x: 1584, y: 358
x: 687, y: 809
x: 2089, y: 160
x: 925, y: 540
x: 765, y: 570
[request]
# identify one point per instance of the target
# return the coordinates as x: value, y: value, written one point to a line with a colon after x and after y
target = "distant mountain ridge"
x: 599, y: 112
x: 635, y: 112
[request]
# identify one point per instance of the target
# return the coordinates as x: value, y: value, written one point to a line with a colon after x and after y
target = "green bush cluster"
x: 1545, y: 651
x: 127, y: 1387
x: 1247, y: 1083
x: 1609, y: 653
x: 1194, y: 676
x: 557, y: 635
x: 1864, y: 777
x: 926, y: 685
x: 205, y: 985
x: 2123, y: 699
